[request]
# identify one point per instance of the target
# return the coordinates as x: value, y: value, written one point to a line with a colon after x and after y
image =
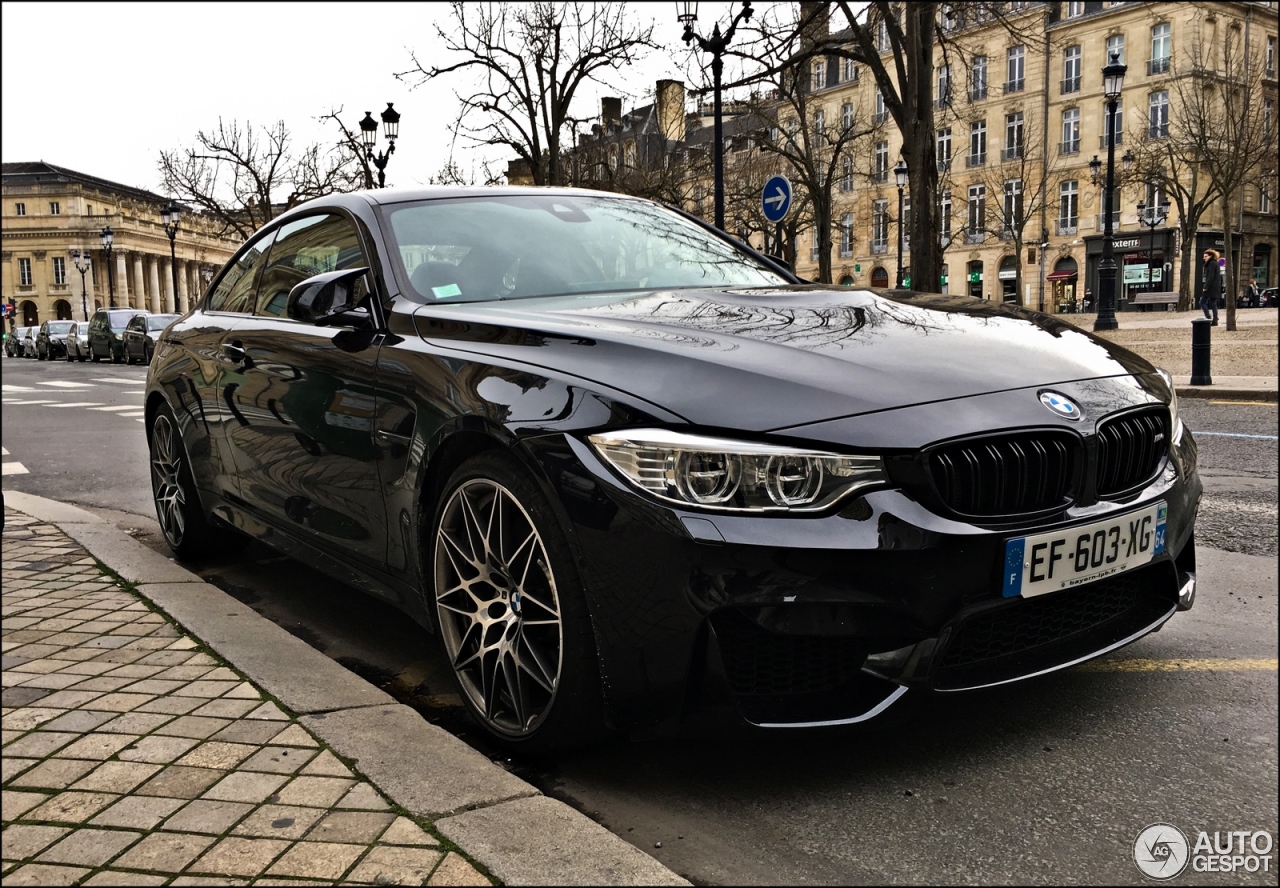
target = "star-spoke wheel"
x: 498, y: 607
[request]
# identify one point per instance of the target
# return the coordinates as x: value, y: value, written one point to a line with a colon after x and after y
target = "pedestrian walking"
x: 1210, y: 286
x: 1252, y: 295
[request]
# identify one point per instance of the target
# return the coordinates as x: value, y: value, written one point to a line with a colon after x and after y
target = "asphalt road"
x: 1045, y: 782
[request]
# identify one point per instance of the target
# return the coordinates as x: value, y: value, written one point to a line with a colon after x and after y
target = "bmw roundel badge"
x: 1061, y: 405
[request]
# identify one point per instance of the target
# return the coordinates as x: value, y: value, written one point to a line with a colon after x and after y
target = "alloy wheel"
x: 166, y: 482
x: 498, y: 608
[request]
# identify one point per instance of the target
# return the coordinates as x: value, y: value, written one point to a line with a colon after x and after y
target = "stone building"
x: 50, y: 213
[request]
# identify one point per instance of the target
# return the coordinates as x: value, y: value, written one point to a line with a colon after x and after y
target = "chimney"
x: 610, y: 111
x: 669, y: 97
x: 818, y: 15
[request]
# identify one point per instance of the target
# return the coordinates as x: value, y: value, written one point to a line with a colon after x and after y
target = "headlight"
x: 119, y: 336
x: 734, y: 476
x: 1175, y: 421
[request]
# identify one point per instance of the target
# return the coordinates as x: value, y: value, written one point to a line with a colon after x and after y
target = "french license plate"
x: 1073, y: 556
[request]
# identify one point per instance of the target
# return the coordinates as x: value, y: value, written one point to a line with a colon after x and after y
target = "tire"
x: 173, y: 490
x: 40, y: 356
x: 93, y: 355
x: 512, y: 616
x: 115, y: 358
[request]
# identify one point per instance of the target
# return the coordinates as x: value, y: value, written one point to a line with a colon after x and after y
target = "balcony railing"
x: 1158, y: 66
x: 1115, y: 221
x: 1012, y: 153
x: 878, y: 247
x: 880, y: 176
x: 1158, y: 131
x: 1065, y: 228
x: 974, y: 237
x: 1105, y: 138
x: 977, y: 93
x: 944, y: 165
x: 943, y: 101
x: 975, y: 160
x: 1070, y: 84
x: 1069, y: 146
x: 1013, y: 86
x: 879, y: 117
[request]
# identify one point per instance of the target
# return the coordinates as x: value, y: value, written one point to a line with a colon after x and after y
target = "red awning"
x: 1060, y: 276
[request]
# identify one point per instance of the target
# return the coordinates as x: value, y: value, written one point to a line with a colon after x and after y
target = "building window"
x: 1070, y: 132
x: 1265, y: 204
x: 881, y: 114
x: 950, y: 18
x: 1158, y: 115
x: 20, y: 209
x: 944, y: 85
x: 846, y: 173
x: 1115, y: 47
x: 1012, y: 206
x: 819, y: 73
x: 613, y: 158
x: 1075, y: 10
x: 882, y: 35
x: 978, y: 79
x: 880, y: 226
x: 846, y: 116
x: 850, y: 71
x: 977, y: 213
x: 1161, y: 46
x: 773, y: 134
x: 1271, y: 58
x: 880, y: 173
x: 944, y: 149
x: 820, y: 124
x: 1068, y: 207
x: 1015, y: 78
x: 59, y: 271
x: 24, y: 272
x: 846, y: 235
x: 54, y: 208
x: 814, y: 248
x: 944, y: 213
x: 1071, y: 69
x: 1013, y: 136
x: 630, y: 155
x: 1113, y: 124
x: 977, y: 143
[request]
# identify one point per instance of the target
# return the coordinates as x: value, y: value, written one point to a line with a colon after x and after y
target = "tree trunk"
x: 822, y: 227
x: 1229, y: 278
x: 918, y: 141
x: 1186, y: 274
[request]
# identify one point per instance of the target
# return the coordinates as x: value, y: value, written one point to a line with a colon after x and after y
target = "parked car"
x: 141, y: 334
x: 13, y: 342
x: 51, y: 341
x: 29, y: 342
x: 106, y: 332
x: 1270, y: 297
x: 628, y: 469
x: 78, y: 341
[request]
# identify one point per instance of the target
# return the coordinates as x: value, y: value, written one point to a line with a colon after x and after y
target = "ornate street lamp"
x: 716, y: 45
x: 1112, y: 86
x: 369, y: 135
x: 170, y: 216
x: 900, y: 175
x: 1152, y: 217
x: 108, y: 239
x: 83, y: 263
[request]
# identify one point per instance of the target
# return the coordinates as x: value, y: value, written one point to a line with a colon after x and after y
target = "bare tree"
x: 529, y: 60
x: 1219, y: 121
x: 241, y: 177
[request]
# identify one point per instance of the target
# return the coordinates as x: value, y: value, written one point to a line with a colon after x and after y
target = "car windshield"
x: 159, y: 322
x: 511, y: 247
x: 60, y: 327
x: 120, y: 319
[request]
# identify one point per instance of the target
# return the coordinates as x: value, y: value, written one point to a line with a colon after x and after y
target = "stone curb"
x: 525, y: 839
x: 1226, y: 394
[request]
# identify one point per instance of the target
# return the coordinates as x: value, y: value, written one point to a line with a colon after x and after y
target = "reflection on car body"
x: 626, y: 469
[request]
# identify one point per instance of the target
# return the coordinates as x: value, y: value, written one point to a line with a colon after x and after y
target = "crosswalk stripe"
x: 69, y: 385
x: 119, y: 407
x: 30, y: 402
x: 13, y: 468
x: 116, y: 380
x: 16, y: 388
x: 78, y: 404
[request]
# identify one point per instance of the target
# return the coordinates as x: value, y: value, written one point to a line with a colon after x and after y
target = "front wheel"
x: 511, y: 610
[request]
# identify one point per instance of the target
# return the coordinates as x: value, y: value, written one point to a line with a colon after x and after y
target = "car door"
x: 131, y: 331
x: 303, y: 436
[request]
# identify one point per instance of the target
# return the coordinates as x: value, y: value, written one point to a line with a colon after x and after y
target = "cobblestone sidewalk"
x: 132, y: 756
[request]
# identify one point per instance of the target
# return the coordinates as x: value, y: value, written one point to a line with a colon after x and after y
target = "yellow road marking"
x: 1206, y: 664
x: 1247, y: 403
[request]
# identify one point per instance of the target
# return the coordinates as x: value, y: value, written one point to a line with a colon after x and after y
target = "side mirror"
x: 323, y: 300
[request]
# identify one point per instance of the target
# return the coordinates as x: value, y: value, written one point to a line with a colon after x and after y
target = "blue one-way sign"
x: 776, y: 199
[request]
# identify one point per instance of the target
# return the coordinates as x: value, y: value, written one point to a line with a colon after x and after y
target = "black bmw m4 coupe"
x: 627, y: 470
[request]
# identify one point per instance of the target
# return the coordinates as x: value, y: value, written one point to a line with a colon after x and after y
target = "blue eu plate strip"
x: 1161, y: 516
x: 1013, y: 554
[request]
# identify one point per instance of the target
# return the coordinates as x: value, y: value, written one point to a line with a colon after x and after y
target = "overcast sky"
x: 102, y: 88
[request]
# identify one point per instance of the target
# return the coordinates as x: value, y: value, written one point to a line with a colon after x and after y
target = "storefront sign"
x: 1127, y: 243
x: 1008, y: 274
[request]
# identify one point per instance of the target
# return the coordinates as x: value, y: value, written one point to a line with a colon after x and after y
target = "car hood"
x: 769, y: 359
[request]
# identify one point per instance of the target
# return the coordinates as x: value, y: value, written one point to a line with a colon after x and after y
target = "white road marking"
x: 30, y: 402
x: 129, y: 407
x: 70, y: 385
x: 116, y: 380
x: 4, y: 451
x: 16, y: 388
x: 1233, y: 435
x: 13, y: 468
x: 78, y: 404
x: 134, y: 413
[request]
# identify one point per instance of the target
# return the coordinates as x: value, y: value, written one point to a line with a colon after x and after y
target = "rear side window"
x: 304, y: 248
x: 239, y: 283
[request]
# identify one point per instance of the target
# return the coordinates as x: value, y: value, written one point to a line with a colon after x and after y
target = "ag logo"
x: 1061, y: 405
x: 1161, y: 851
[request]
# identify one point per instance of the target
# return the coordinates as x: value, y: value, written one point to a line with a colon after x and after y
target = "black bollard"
x: 1200, y: 352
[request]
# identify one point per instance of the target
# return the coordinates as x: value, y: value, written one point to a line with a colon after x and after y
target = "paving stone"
x: 270, y: 711
x: 194, y: 726
x: 317, y: 860
x: 23, y: 696
x: 225, y: 708
x: 165, y: 852
x: 207, y: 816
x: 80, y: 721
x: 279, y: 822
x: 405, y: 832
x: 13, y: 803
x: 203, y: 688
x: 152, y: 686
x: 295, y: 735
x: 89, y: 847
x: 217, y: 754
x: 121, y: 701
x: 30, y: 717
x: 135, y: 671
x: 99, y: 747
x: 68, y: 699
x: 243, y: 786
x: 352, y: 827
x: 109, y: 877
x: 40, y: 744
x: 388, y: 865
x: 139, y: 812
x: 157, y: 749
x: 455, y: 870
x: 326, y: 764
x: 101, y: 683
x: 44, y: 874
x: 171, y: 705
x: 23, y: 842
x: 256, y: 732
x: 54, y: 774
x: 179, y: 782
x: 12, y: 767
x: 269, y: 880
x: 278, y: 759
x: 116, y: 776
x: 317, y: 792
x: 242, y: 691
x: 187, y: 672
x: 136, y: 722
x: 72, y: 806
x: 363, y: 797
x: 239, y: 856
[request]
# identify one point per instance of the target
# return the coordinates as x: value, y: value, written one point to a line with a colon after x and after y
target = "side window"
x: 304, y: 248
x: 236, y: 290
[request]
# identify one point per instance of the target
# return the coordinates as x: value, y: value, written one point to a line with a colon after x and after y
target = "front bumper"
x: 798, y: 622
